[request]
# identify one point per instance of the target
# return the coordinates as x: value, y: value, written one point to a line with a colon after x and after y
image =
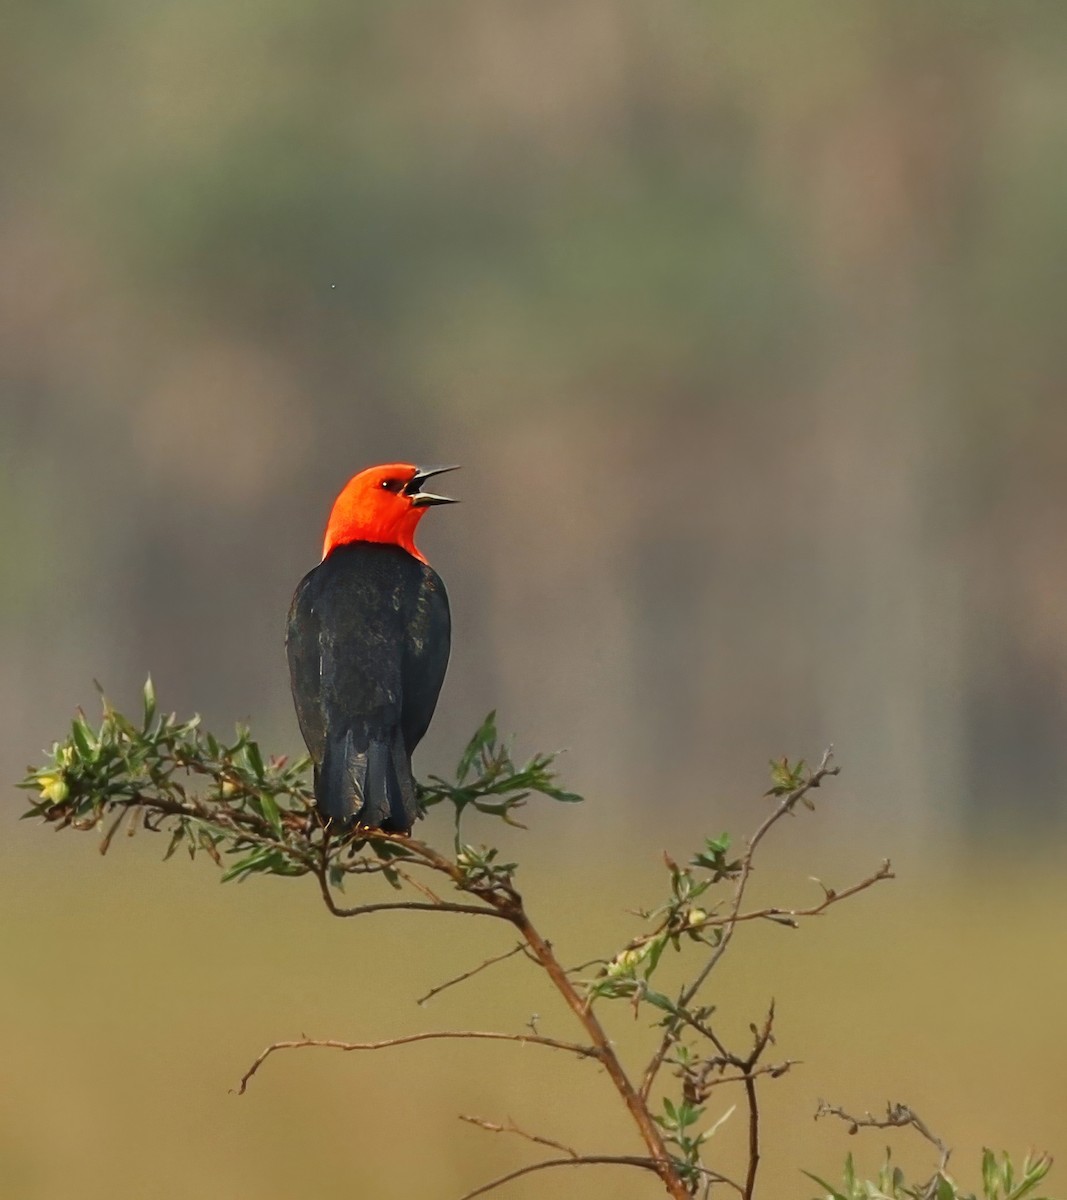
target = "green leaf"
x: 555, y: 793
x: 831, y: 1192
x: 688, y: 1114
x: 1033, y: 1173
x: 83, y: 738
x: 176, y: 839
x: 785, y: 778
x: 850, y: 1172
x: 265, y: 860
x: 485, y: 736
x: 255, y: 759
x: 149, y: 702
x: 989, y: 1174
x: 655, y: 952
x: 269, y: 807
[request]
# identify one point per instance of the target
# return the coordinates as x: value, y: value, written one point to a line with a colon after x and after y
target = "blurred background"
x: 746, y: 323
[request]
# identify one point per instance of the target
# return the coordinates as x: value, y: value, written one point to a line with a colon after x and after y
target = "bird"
x: 368, y: 640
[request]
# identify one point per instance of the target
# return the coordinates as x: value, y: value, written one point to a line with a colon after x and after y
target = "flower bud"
x: 54, y: 788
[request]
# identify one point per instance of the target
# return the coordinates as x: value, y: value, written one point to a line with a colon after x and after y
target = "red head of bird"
x: 383, y: 504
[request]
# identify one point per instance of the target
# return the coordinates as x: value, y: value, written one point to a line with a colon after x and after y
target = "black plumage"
x: 368, y: 640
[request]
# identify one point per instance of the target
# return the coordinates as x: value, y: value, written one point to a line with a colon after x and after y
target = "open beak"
x: 421, y: 499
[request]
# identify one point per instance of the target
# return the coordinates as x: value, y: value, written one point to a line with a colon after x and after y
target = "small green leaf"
x: 688, y: 1114
x: 149, y: 702
x: 255, y: 759
x: 83, y: 738
x: 850, y: 1171
x: 269, y: 807
x: 483, y: 738
x: 831, y: 1192
x: 989, y: 1174
x: 265, y: 860
x: 176, y: 839
x: 655, y: 952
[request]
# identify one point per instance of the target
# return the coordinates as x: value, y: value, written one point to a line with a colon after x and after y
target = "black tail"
x: 368, y: 781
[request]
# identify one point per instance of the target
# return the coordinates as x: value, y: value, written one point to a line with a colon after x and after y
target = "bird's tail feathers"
x: 371, y: 785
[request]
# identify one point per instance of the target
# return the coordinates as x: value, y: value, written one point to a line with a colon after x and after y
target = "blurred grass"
x: 136, y: 994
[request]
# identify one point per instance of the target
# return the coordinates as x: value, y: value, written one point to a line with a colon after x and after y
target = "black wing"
x: 426, y: 651
x: 305, y: 667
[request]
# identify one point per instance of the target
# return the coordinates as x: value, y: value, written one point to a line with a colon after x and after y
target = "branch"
x: 476, y: 910
x: 762, y: 1039
x: 511, y: 1127
x: 897, y: 1116
x: 436, y: 1035
x: 699, y: 1088
x: 730, y: 921
x: 635, y: 1103
x: 620, y: 1160
x: 519, y: 948
x: 785, y: 806
x: 790, y: 916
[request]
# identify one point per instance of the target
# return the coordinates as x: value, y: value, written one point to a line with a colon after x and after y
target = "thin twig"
x: 763, y: 1038
x: 897, y: 1116
x: 435, y: 1035
x: 717, y: 1177
x: 519, y: 948
x: 412, y: 905
x: 620, y: 1160
x: 511, y: 1127
x: 411, y: 881
x: 784, y: 916
x: 729, y: 923
x: 476, y: 910
x: 785, y: 806
x: 698, y: 1086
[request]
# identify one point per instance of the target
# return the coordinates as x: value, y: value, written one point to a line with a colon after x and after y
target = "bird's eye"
x: 391, y: 485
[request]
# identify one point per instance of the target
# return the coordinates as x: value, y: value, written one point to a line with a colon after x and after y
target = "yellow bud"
x: 54, y: 788
x: 697, y: 916
x: 621, y: 963
x: 228, y: 789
